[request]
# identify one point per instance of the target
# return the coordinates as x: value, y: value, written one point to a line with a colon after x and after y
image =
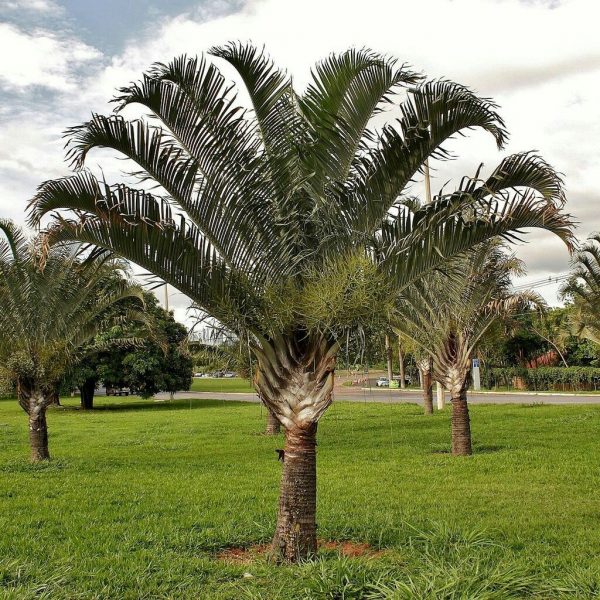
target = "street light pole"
x: 439, y: 390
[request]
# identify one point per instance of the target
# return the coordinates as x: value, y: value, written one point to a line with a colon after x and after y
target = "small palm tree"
x: 448, y: 314
x: 284, y: 222
x: 583, y: 289
x: 425, y: 366
x: 51, y: 305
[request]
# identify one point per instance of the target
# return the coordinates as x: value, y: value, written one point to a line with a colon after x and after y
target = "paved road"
x: 399, y: 396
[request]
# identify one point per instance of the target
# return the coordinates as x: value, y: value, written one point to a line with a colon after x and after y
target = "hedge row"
x: 542, y: 378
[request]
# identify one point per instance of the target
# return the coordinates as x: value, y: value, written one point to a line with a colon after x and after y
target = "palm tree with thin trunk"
x: 425, y: 366
x: 283, y: 221
x: 583, y: 290
x: 448, y: 313
x: 52, y: 304
x: 401, y: 365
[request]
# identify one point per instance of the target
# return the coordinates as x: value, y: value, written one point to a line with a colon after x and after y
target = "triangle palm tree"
x: 583, y: 289
x: 448, y: 313
x: 52, y: 304
x: 268, y: 219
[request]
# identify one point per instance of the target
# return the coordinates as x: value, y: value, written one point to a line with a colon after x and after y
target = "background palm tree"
x: 425, y: 366
x: 448, y: 314
x: 51, y: 305
x: 583, y: 289
x: 284, y: 222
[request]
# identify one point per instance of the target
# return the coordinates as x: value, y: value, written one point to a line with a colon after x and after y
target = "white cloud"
x: 540, y: 59
x: 41, y: 6
x: 40, y: 58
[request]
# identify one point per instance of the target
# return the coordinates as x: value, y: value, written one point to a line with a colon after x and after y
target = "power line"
x: 542, y: 282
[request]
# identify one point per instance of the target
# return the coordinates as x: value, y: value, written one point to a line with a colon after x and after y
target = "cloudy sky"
x: 60, y: 60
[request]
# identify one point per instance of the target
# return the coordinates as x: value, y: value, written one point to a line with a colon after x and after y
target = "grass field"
x: 141, y: 498
x: 221, y: 384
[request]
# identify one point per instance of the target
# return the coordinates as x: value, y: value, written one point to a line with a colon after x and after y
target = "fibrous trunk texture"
x: 388, y: 358
x: 35, y: 402
x: 38, y: 434
x: 461, y: 425
x: 296, y: 532
x: 273, y: 424
x: 426, y: 368
x: 427, y: 393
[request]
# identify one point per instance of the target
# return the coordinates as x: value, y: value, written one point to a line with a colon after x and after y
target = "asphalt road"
x: 343, y: 394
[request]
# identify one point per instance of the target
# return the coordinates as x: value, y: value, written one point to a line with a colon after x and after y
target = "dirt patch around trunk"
x: 245, y: 556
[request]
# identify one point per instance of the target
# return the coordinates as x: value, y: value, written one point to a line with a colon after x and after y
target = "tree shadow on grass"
x: 477, y: 449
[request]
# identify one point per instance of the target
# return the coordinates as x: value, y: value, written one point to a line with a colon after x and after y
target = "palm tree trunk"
x: 38, y: 433
x: 461, y: 425
x: 401, y: 362
x: 86, y: 392
x: 296, y: 532
x: 388, y: 358
x: 295, y: 380
x: 54, y: 397
x: 273, y: 424
x: 427, y: 392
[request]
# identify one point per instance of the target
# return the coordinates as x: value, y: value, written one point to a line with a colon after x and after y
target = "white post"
x: 439, y: 390
x: 476, y: 376
x: 167, y: 297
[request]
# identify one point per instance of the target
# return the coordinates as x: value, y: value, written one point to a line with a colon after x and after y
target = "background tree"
x: 553, y: 326
x: 583, y: 289
x: 158, y: 362
x: 425, y: 365
x: 449, y: 313
x: 289, y: 228
x: 52, y: 304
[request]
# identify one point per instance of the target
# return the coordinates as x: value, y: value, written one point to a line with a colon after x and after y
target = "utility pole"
x: 439, y: 390
x: 166, y: 296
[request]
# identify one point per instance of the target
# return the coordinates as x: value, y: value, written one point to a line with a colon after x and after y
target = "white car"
x: 383, y: 382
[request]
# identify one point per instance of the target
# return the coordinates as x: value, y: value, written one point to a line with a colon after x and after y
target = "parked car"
x: 124, y: 391
x: 229, y: 374
x: 198, y: 375
x: 383, y: 382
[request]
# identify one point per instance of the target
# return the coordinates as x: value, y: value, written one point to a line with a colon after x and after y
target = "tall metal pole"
x: 439, y: 390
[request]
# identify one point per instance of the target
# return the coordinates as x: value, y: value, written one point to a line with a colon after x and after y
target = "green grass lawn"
x: 221, y: 384
x: 141, y: 497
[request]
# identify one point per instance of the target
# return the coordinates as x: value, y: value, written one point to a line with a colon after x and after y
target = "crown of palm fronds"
x: 463, y: 302
x: 52, y: 302
x: 583, y: 288
x: 252, y: 198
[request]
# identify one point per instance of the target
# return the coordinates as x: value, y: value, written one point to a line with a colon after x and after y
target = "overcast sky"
x: 60, y: 60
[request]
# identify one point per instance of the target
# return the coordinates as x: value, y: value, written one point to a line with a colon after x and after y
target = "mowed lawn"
x: 141, y: 499
x: 221, y: 384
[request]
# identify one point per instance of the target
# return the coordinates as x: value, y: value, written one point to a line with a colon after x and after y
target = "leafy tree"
x: 448, y: 314
x: 288, y: 227
x: 52, y: 304
x: 159, y: 362
x: 164, y: 367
